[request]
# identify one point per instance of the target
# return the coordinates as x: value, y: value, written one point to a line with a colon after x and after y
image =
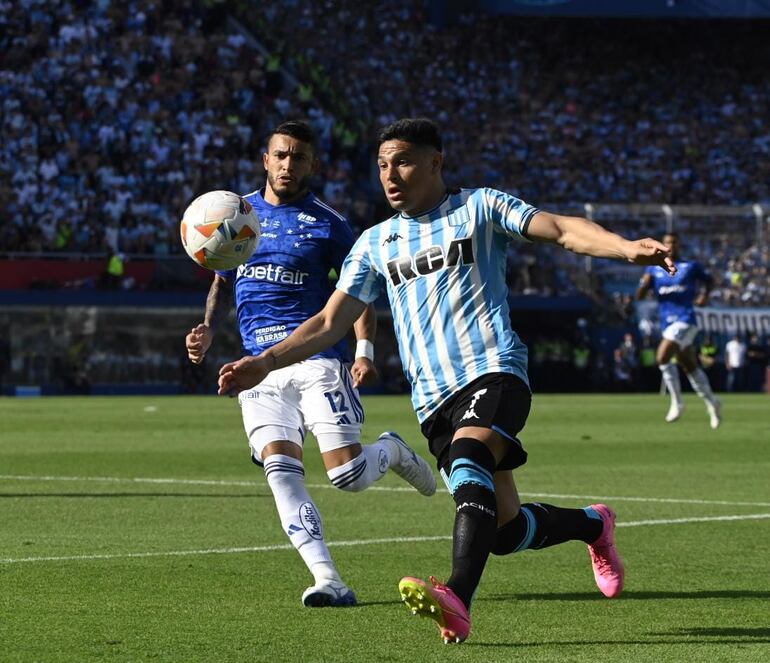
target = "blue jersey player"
x: 441, y: 261
x: 283, y: 284
x: 677, y: 297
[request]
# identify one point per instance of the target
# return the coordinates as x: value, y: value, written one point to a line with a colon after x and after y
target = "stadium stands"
x: 148, y: 104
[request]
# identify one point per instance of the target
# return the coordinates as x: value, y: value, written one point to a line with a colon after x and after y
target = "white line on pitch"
x: 389, y: 489
x: 360, y: 542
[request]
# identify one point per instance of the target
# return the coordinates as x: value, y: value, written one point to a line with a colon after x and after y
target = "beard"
x: 292, y: 191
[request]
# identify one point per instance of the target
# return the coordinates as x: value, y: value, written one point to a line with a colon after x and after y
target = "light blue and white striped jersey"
x: 444, y: 274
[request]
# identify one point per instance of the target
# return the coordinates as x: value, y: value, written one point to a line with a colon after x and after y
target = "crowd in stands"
x: 115, y: 115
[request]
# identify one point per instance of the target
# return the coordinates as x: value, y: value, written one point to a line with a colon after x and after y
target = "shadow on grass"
x: 205, y: 495
x: 632, y: 596
x: 721, y: 631
x: 593, y: 643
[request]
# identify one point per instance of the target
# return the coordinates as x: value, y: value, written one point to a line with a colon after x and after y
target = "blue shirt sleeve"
x: 341, y: 243
x: 700, y: 273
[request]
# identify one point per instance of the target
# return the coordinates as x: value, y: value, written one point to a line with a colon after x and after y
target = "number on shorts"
x: 336, y: 401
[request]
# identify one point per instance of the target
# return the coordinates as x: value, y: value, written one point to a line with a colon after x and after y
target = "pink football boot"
x: 440, y: 604
x: 608, y: 567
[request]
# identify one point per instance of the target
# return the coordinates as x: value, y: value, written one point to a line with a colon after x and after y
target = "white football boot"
x: 411, y: 467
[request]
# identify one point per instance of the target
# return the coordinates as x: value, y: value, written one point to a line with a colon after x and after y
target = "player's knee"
x: 471, y: 476
x: 353, y: 478
x: 283, y: 470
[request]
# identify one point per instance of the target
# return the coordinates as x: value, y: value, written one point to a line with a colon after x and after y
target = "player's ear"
x: 265, y: 159
x: 316, y: 165
x: 437, y: 162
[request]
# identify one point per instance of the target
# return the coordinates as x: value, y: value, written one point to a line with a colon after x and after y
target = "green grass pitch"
x: 136, y: 529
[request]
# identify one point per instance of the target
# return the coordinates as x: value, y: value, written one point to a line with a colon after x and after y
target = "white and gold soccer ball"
x: 220, y: 230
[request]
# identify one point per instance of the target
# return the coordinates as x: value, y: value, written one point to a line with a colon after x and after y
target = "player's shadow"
x: 630, y: 595
x: 651, y: 641
x: 138, y: 494
x: 722, y: 635
x: 721, y: 631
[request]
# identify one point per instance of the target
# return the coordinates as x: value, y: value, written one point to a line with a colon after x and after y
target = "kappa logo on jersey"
x: 430, y: 260
x: 391, y: 238
x: 470, y: 413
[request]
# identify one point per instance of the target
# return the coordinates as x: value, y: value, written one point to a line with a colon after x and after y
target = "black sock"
x: 542, y: 525
x: 472, y: 483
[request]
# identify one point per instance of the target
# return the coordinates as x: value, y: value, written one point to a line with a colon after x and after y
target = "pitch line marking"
x: 359, y: 542
x: 389, y: 489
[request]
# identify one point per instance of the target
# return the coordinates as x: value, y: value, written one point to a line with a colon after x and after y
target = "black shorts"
x: 503, y: 406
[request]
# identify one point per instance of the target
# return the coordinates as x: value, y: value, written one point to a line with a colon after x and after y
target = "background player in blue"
x: 677, y: 296
x: 285, y: 282
x: 441, y: 260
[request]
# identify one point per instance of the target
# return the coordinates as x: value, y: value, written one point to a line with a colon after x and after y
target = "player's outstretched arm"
x: 218, y: 304
x: 588, y: 238
x: 321, y: 331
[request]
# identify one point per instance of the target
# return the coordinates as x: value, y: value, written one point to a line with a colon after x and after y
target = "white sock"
x: 671, y: 378
x: 299, y: 516
x: 366, y: 468
x: 700, y: 384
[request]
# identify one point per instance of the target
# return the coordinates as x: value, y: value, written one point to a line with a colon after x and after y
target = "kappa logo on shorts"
x: 470, y: 413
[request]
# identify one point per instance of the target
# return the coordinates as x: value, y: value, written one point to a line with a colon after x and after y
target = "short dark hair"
x: 415, y: 130
x: 298, y: 129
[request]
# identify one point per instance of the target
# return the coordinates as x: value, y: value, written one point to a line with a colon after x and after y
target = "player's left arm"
x: 365, y: 328
x: 363, y: 369
x: 588, y: 238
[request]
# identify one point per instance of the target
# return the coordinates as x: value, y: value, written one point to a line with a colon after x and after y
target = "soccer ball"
x: 220, y: 230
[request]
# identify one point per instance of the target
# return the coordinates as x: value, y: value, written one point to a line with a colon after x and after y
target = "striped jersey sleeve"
x: 359, y: 277
x: 507, y: 213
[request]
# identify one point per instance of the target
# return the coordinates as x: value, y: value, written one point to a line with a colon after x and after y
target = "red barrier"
x: 57, y: 273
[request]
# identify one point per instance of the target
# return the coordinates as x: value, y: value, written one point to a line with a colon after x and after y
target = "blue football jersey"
x: 444, y: 275
x: 286, y: 281
x: 677, y: 293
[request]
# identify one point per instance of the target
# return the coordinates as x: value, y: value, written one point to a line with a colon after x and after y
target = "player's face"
x: 410, y: 176
x: 290, y: 164
x: 671, y: 242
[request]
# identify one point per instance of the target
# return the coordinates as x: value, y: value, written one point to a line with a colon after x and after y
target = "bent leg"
x: 536, y: 525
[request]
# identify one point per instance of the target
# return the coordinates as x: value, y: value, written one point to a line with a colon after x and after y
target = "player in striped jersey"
x: 441, y: 261
x: 283, y: 284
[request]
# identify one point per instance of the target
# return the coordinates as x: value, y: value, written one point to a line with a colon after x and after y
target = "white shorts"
x: 680, y: 333
x: 316, y: 395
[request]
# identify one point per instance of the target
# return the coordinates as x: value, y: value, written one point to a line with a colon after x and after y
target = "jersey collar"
x: 301, y: 202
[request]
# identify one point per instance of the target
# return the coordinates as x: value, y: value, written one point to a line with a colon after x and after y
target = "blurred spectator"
x: 735, y: 363
x: 649, y: 375
x: 756, y: 364
x: 626, y: 363
x: 708, y: 355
